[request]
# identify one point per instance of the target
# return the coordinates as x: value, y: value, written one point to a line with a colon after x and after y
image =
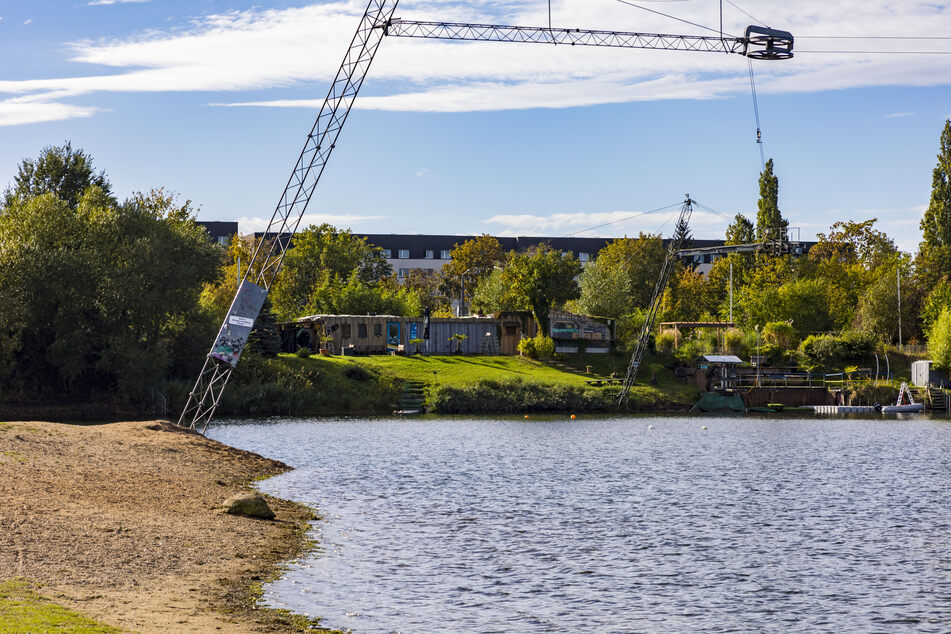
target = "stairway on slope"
x: 412, y: 398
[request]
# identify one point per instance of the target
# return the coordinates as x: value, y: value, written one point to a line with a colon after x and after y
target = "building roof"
x: 721, y: 358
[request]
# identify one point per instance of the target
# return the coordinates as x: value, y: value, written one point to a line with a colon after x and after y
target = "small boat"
x: 905, y: 402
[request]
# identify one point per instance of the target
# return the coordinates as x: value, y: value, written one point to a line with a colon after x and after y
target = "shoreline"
x: 120, y: 523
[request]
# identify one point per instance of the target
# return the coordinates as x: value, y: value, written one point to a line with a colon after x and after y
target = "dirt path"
x: 120, y: 522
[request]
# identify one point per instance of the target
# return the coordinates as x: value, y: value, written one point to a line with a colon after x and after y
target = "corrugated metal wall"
x: 440, y: 332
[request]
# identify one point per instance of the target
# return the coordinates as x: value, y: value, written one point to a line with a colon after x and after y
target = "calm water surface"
x: 605, y: 525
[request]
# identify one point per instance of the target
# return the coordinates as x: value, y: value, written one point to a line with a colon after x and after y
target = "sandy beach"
x: 121, y: 522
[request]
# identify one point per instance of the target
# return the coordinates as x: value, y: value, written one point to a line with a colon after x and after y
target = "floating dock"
x: 844, y: 409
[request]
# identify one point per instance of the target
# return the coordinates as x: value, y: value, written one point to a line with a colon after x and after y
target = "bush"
x: 780, y: 334
x: 303, y: 352
x: 544, y: 347
x: 939, y: 340
x: 493, y: 397
x: 526, y: 346
x: 830, y: 352
x: 735, y: 341
x: 665, y: 342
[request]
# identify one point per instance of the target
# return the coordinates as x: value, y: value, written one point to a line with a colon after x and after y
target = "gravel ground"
x: 121, y: 523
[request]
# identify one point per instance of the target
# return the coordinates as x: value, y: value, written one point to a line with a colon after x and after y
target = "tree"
x: 939, y: 341
x: 768, y: 218
x: 937, y: 300
x: 61, y: 171
x: 877, y: 311
x: 96, y: 298
x: 320, y: 256
x: 687, y: 297
x: 682, y: 234
x: 494, y: 294
x: 542, y: 278
x: 936, y: 222
x: 473, y: 259
x: 854, y: 243
x: 639, y: 259
x: 935, y: 249
x: 740, y: 231
x: 426, y: 285
x: 353, y: 296
x: 605, y: 290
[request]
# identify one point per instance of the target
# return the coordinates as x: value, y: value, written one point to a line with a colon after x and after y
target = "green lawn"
x: 453, y: 370
x: 23, y: 610
x: 460, y: 371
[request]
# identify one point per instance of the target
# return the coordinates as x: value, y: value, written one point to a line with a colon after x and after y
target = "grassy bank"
x: 333, y: 385
x: 490, y: 384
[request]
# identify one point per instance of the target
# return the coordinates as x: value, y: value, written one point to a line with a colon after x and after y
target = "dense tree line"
x: 97, y: 297
x: 102, y: 297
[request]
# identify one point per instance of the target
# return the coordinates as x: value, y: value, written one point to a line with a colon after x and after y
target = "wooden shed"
x: 514, y: 326
x: 362, y: 334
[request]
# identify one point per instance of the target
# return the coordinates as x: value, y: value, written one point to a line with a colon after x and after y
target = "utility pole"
x: 898, y: 281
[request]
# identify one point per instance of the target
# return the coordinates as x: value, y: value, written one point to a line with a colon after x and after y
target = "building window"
x: 377, y: 330
x: 387, y: 254
x: 401, y: 273
x: 584, y: 257
x: 429, y: 254
x: 445, y: 254
x: 362, y: 331
x: 346, y: 331
x: 404, y: 253
x: 225, y: 240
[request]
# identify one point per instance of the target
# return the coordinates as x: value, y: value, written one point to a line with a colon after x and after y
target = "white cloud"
x: 29, y: 21
x: 250, y: 224
x: 610, y: 223
x: 262, y: 49
x: 96, y: 3
x: 424, y: 172
x: 899, y: 115
x: 16, y: 112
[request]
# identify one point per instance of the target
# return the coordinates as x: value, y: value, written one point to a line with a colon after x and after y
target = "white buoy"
x: 704, y: 428
x: 650, y: 427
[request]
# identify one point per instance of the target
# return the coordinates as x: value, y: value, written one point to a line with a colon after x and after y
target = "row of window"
x: 401, y: 273
x: 445, y: 254
x: 403, y: 254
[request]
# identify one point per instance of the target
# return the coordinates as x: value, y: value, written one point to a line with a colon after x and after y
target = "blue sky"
x: 213, y: 98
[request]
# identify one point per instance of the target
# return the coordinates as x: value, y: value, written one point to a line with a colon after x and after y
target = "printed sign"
x: 238, y: 324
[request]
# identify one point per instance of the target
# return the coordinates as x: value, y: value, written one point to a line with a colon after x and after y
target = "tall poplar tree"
x: 936, y: 223
x: 768, y: 216
x: 934, y: 256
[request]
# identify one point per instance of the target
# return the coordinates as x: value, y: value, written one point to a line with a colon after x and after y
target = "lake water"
x: 605, y: 525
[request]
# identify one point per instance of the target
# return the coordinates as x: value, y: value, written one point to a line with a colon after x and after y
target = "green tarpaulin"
x: 713, y: 402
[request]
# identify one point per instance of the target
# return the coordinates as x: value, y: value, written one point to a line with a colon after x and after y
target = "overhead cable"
x: 614, y: 222
x: 637, y: 6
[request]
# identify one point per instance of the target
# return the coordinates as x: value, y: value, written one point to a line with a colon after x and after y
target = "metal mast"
x: 673, y: 251
x: 320, y: 143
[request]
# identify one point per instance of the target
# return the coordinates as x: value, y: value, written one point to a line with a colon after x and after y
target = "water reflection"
x: 605, y: 525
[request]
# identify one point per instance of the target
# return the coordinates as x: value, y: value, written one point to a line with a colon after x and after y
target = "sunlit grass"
x: 23, y: 610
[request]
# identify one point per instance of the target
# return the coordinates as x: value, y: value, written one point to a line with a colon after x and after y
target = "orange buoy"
x: 573, y: 417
